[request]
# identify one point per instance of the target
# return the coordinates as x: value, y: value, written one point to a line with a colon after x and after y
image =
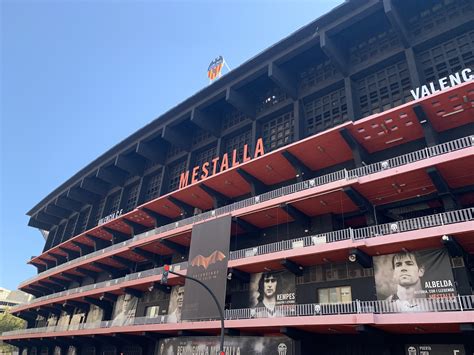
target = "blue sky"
x: 77, y: 77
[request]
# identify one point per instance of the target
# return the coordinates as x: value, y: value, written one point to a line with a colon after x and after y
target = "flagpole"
x: 225, y: 63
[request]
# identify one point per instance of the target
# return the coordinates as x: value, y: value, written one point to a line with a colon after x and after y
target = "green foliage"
x: 9, y: 322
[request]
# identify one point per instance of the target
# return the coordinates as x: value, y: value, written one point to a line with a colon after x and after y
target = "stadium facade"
x: 325, y: 188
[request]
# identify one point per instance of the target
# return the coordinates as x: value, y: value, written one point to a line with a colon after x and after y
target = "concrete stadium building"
x: 342, y: 158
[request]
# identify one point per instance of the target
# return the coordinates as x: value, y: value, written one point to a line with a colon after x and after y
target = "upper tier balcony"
x: 410, y: 122
x: 412, y: 233
x: 438, y: 316
x: 324, y: 194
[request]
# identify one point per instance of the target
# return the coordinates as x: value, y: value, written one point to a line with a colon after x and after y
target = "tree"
x: 9, y: 322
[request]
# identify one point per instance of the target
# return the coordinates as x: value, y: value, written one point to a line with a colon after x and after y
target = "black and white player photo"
x: 125, y: 308
x: 407, y: 278
x: 175, y: 307
x: 269, y: 290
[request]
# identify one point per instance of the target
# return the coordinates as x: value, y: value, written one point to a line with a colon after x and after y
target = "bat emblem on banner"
x: 205, y: 262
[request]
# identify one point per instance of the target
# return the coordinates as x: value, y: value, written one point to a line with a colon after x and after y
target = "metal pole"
x: 221, y: 313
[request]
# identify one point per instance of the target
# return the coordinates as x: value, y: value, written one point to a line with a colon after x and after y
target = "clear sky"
x: 77, y: 77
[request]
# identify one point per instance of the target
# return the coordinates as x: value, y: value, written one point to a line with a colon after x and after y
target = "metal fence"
x: 453, y: 304
x: 344, y: 174
x: 412, y: 157
x: 440, y: 219
x: 99, y: 285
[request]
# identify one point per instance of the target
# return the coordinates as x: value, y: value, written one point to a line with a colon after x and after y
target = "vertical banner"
x: 413, y: 280
x: 208, y: 259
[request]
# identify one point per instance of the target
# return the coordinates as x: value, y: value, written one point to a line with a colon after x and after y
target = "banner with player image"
x: 52, y: 320
x: 270, y: 290
x: 64, y: 319
x: 208, y: 258
x: 435, y: 349
x: 95, y: 314
x: 232, y: 345
x: 175, y: 306
x: 77, y: 318
x: 124, y: 310
x: 413, y: 280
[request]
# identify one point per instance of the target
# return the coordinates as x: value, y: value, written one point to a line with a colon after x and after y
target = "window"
x: 70, y: 227
x: 333, y: 272
x: 153, y: 184
x: 237, y: 142
x: 278, y: 131
x: 59, y: 234
x: 457, y: 262
x: 174, y: 174
x: 173, y: 151
x: 113, y: 203
x: 448, y: 57
x: 233, y: 118
x: 98, y: 212
x: 270, y: 98
x: 200, y: 136
x: 314, y: 76
x: 81, y: 224
x: 374, y: 46
x: 384, y: 89
x: 132, y: 349
x: 131, y: 196
x: 325, y: 111
x: 342, y: 294
x: 204, y: 156
x: 152, y: 311
x: 108, y: 350
x: 438, y: 14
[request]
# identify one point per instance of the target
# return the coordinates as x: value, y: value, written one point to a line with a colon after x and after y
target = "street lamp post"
x: 164, y: 279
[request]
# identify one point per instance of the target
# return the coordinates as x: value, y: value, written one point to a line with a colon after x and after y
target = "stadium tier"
x: 323, y: 192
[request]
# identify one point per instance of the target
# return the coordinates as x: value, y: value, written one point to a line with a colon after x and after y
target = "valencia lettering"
x: 443, y: 84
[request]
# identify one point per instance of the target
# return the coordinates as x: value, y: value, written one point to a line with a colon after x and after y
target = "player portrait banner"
x: 271, y: 291
x: 232, y: 345
x: 95, y: 314
x: 435, y: 349
x: 208, y: 259
x: 414, y: 280
x: 64, y: 319
x: 124, y: 310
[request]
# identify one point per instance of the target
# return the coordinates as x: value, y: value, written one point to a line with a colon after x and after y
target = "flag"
x: 215, y: 68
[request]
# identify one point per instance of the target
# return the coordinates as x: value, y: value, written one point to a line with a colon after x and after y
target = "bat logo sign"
x: 205, y: 262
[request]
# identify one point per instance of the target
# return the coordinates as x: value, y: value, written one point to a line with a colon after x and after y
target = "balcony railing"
x: 412, y: 157
x: 99, y: 285
x: 407, y: 225
x: 360, y: 233
x: 344, y: 174
x: 454, y: 304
